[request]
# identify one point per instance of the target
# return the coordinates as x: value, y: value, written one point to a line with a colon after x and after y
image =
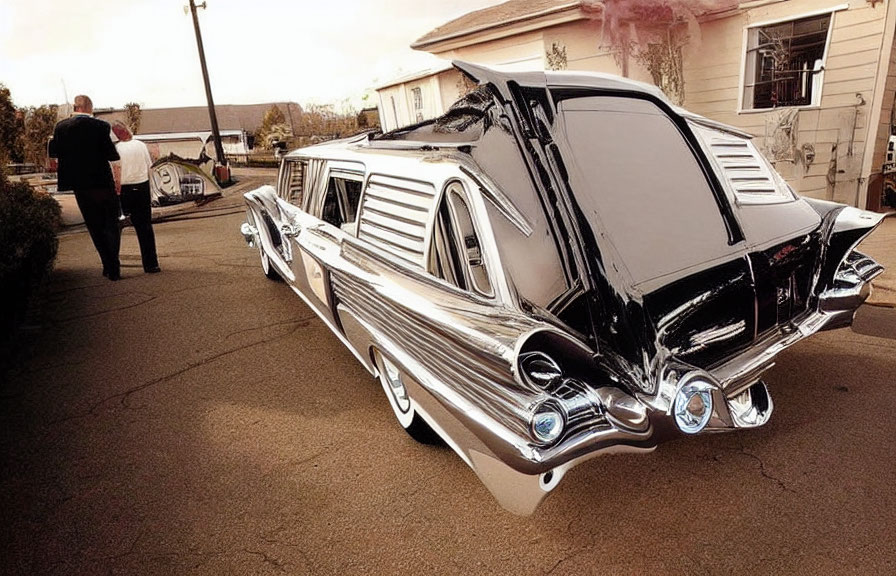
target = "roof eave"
x: 426, y: 44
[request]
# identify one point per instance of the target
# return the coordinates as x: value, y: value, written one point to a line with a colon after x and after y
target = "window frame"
x: 747, y: 108
x: 283, y: 189
x: 341, y: 196
x: 470, y: 285
x: 317, y: 195
x: 417, y: 103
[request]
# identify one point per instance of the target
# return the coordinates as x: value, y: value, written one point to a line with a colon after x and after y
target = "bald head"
x: 83, y: 104
x: 121, y: 131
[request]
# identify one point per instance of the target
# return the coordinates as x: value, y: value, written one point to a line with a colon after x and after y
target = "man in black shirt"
x: 84, y: 148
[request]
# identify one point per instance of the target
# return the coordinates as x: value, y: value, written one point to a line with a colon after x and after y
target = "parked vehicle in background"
x: 174, y: 180
x: 563, y: 265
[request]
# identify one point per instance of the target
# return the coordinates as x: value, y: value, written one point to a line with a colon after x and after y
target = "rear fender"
x: 844, y: 274
x: 843, y: 229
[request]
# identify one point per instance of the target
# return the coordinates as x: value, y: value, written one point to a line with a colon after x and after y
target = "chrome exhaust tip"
x: 751, y: 408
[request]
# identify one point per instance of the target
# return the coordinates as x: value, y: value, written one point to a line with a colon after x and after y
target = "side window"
x: 292, y: 183
x: 747, y: 172
x: 341, y: 202
x: 456, y: 255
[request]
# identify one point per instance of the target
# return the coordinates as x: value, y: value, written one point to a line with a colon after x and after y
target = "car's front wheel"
x: 391, y: 380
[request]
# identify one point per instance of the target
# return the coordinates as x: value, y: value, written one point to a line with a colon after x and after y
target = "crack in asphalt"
x: 304, y: 322
x: 309, y: 458
x: 149, y: 298
x: 123, y: 396
x: 130, y: 549
x: 267, y: 559
x: 570, y: 556
x: 765, y: 474
x: 271, y: 538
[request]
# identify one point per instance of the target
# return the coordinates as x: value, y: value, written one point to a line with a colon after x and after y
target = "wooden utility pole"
x: 213, y: 118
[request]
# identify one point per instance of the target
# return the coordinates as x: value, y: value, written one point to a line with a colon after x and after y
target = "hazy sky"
x: 144, y: 51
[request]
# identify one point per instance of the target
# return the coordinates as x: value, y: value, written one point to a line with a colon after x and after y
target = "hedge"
x: 29, y: 222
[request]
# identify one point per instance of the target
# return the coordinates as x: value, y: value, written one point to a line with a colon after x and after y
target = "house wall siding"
x: 835, y: 131
x: 393, y: 107
x: 451, y: 86
x: 588, y: 48
x: 524, y: 51
x: 824, y: 151
x: 885, y: 121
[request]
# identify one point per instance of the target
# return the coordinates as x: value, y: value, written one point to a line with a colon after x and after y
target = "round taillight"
x: 547, y: 422
x: 693, y: 406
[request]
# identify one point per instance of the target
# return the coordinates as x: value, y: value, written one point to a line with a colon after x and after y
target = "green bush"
x: 28, y: 244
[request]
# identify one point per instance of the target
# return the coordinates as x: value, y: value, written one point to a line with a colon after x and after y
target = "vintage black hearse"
x: 563, y: 265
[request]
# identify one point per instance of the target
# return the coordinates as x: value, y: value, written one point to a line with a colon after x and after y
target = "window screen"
x: 293, y: 185
x: 341, y: 202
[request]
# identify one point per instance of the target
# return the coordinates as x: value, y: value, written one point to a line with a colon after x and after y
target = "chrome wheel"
x: 391, y: 380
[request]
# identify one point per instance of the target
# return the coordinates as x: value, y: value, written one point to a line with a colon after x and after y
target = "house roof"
x: 513, y: 12
x: 202, y: 136
x: 504, y: 14
x: 439, y: 67
x: 246, y: 117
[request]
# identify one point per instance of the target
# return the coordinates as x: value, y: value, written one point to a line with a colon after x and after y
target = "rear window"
x: 640, y: 186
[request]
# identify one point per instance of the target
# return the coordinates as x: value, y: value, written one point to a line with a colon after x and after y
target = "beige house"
x: 813, y: 80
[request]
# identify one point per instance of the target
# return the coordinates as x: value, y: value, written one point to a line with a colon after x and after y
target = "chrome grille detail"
x: 748, y: 174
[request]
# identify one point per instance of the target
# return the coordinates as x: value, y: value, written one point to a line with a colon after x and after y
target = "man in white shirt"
x: 132, y: 182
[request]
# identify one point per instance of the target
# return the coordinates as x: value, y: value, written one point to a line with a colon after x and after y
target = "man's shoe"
x: 105, y: 273
x: 153, y: 270
x: 113, y: 276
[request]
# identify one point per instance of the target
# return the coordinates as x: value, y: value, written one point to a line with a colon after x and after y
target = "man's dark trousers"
x: 84, y: 147
x: 99, y: 207
x: 136, y: 201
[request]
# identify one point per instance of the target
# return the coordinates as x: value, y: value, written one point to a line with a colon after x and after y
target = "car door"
x: 329, y: 215
x: 285, y: 215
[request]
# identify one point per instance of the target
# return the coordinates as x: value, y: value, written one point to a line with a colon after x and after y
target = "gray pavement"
x: 881, y: 245
x: 203, y: 421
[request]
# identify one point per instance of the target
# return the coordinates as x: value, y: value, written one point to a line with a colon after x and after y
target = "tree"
x: 134, y: 114
x: 11, y: 124
x: 273, y: 128
x: 39, y: 124
x: 653, y: 32
x: 556, y: 56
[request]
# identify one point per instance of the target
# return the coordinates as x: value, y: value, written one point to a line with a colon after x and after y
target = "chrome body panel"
x: 564, y: 336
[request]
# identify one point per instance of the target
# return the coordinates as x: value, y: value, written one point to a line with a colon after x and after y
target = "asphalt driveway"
x: 203, y: 421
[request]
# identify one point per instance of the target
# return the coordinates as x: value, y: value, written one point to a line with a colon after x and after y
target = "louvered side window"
x: 746, y: 171
x: 292, y: 182
x: 394, y: 216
